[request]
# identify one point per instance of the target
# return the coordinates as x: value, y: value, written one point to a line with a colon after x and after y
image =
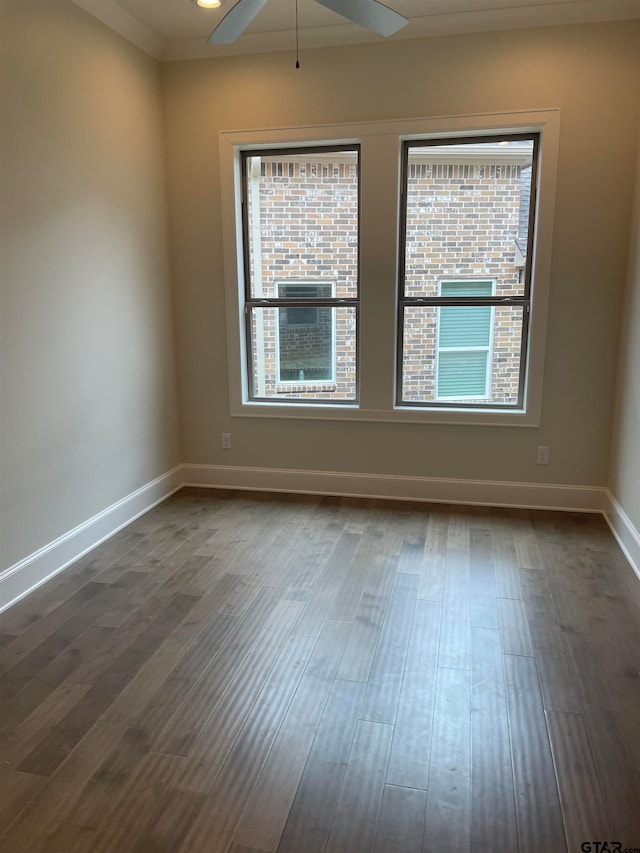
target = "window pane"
x: 310, y: 360
x: 467, y: 215
x: 303, y: 221
x: 472, y: 368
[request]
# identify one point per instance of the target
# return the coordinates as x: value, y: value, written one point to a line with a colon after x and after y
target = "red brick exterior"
x: 462, y: 223
x: 309, y: 233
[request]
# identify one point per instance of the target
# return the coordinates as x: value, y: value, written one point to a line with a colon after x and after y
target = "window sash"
x: 438, y: 142
x: 251, y: 302
x: 523, y: 300
x: 437, y: 403
x: 351, y: 402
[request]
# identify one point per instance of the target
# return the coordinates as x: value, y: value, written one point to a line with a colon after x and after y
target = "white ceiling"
x: 178, y: 29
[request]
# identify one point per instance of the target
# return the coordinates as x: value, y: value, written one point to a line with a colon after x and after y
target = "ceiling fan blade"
x: 369, y: 14
x: 235, y: 21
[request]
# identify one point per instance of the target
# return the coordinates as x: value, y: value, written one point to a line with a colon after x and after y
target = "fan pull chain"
x: 297, y: 53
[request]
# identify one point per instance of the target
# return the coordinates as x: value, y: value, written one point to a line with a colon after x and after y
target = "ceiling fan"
x: 369, y: 14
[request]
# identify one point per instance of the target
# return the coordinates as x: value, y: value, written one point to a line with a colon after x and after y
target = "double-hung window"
x: 389, y: 271
x: 300, y: 224
x: 465, y: 274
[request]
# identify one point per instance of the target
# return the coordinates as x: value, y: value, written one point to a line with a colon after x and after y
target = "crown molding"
x: 485, y: 20
x: 121, y: 22
x: 425, y: 26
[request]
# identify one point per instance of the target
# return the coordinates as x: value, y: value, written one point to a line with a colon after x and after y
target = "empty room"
x: 319, y: 426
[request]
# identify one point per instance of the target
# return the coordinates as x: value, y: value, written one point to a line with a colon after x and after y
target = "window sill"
x: 337, y: 411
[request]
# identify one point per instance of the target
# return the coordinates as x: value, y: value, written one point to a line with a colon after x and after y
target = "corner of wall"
x: 623, y: 494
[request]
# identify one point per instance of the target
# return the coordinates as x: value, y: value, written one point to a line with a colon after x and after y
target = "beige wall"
x: 591, y: 72
x: 88, y: 409
x: 625, y: 457
x: 88, y: 401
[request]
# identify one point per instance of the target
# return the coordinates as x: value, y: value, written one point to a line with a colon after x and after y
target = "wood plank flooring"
x: 245, y: 673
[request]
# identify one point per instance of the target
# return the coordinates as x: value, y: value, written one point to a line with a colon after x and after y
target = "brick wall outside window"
x: 462, y: 223
x: 309, y: 232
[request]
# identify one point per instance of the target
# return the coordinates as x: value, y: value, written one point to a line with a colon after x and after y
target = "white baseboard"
x: 484, y: 492
x: 23, y: 577
x: 627, y: 535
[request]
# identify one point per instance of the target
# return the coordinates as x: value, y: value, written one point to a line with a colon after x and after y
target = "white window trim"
x: 310, y: 382
x: 380, y: 147
x: 488, y: 349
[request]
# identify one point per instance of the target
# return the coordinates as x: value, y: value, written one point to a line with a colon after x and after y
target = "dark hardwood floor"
x: 236, y: 673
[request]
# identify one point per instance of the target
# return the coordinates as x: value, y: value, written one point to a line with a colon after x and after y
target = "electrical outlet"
x: 542, y: 456
x: 226, y: 441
